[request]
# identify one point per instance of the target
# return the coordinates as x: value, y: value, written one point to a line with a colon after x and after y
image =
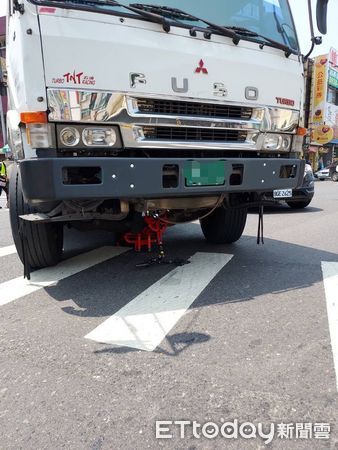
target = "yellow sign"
x: 320, y: 87
x: 322, y: 134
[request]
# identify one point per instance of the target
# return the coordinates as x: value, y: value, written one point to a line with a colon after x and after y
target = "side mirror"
x: 321, y: 15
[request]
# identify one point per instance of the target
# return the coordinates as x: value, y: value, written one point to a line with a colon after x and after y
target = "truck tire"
x: 334, y: 176
x: 299, y: 205
x: 44, y: 240
x: 224, y: 226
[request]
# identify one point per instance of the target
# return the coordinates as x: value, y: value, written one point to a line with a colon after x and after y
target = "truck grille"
x: 193, y: 134
x: 182, y: 108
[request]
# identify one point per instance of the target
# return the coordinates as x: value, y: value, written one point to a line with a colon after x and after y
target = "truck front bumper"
x: 47, y: 179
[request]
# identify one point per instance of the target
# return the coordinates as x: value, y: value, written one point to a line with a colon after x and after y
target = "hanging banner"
x: 320, y: 89
x: 322, y: 134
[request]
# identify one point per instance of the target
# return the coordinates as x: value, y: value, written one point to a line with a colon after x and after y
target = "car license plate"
x: 211, y: 173
x: 282, y: 193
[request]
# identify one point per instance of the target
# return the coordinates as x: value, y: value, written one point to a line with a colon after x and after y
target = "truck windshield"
x: 251, y: 19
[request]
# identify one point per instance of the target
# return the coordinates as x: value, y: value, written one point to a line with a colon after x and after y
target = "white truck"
x: 121, y: 111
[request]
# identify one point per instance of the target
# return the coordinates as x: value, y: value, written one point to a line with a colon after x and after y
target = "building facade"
x: 323, y: 117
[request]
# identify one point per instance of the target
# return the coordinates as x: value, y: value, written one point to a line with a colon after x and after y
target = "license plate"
x: 282, y: 193
x: 204, y: 173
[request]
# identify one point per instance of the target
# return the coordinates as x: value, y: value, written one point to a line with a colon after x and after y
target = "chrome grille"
x: 193, y: 134
x: 183, y: 108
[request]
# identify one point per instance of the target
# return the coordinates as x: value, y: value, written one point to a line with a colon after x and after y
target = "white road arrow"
x: 145, y: 321
x: 330, y: 275
x: 19, y: 287
x: 4, y: 251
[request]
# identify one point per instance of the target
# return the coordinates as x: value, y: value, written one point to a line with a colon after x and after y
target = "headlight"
x: 99, y: 137
x: 276, y: 142
x: 308, y: 169
x: 308, y: 175
x: 69, y: 136
x: 86, y: 136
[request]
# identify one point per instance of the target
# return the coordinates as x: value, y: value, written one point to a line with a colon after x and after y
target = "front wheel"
x: 299, y: 205
x: 224, y: 226
x: 44, y: 240
x: 334, y: 176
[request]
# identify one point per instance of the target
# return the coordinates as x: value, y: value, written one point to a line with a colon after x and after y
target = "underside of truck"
x: 139, y: 126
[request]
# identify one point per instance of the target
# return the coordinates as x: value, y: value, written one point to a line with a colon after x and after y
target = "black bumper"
x: 302, y: 194
x: 43, y: 178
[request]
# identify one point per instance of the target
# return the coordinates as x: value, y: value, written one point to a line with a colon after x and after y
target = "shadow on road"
x: 254, y: 271
x: 285, y: 209
x: 173, y: 344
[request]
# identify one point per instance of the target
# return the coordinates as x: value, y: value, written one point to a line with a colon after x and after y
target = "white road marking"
x: 19, y: 287
x: 330, y: 275
x: 4, y: 251
x: 144, y: 322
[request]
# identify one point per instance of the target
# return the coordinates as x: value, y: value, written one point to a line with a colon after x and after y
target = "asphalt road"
x: 240, y: 333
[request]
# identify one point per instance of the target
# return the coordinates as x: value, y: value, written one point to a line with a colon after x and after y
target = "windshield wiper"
x: 246, y: 32
x: 280, y: 28
x: 165, y: 11
x: 179, y: 14
x: 151, y: 16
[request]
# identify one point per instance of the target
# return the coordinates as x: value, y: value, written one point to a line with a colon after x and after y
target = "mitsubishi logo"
x: 201, y: 68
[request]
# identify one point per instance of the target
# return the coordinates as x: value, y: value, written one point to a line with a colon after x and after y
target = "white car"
x: 323, y: 174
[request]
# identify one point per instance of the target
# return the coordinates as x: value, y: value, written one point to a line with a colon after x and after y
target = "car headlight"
x: 99, y: 137
x: 69, y: 136
x: 308, y: 174
x: 84, y: 136
x: 276, y: 142
x: 308, y: 169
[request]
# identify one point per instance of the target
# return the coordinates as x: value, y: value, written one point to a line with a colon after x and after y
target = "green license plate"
x: 204, y: 173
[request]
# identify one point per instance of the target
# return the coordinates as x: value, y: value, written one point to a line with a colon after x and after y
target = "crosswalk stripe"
x: 4, y: 251
x: 145, y: 321
x: 330, y: 276
x: 19, y: 287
